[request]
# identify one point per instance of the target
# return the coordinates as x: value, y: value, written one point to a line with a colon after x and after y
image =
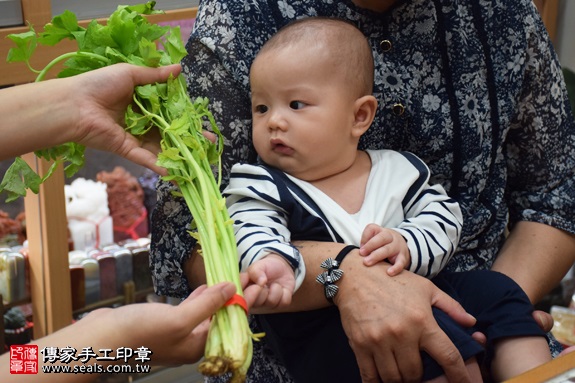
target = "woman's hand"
x: 175, y: 334
x: 389, y: 320
x: 101, y: 98
x: 87, y: 109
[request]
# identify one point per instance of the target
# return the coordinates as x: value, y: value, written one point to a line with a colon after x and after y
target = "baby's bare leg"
x: 513, y: 356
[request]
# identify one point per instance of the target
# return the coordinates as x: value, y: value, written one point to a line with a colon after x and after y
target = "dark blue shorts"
x: 314, y: 348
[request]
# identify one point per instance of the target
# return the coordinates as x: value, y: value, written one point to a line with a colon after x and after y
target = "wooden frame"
x: 47, y: 231
x: 46, y: 213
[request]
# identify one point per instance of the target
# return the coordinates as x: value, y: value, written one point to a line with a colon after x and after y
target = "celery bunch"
x: 186, y: 154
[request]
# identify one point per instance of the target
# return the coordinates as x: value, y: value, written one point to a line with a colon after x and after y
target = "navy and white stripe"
x: 270, y: 209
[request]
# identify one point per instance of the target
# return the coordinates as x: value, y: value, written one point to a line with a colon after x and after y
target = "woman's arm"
x: 386, y: 336
x: 536, y: 256
x: 87, y: 109
x: 174, y: 334
x: 541, y: 194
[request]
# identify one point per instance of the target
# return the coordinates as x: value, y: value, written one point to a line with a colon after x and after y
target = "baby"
x: 312, y: 100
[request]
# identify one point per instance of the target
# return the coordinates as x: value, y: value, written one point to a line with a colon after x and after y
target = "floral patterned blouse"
x: 474, y: 88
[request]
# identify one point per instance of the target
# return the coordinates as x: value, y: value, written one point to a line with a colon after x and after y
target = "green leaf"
x: 137, y: 124
x: 136, y: 60
x: 170, y: 158
x: 18, y: 177
x: 26, y: 43
x: 174, y: 45
x: 79, y: 36
x: 51, y: 170
x: 70, y: 153
x: 145, y: 9
x: 80, y: 64
x: 170, y: 154
x: 179, y: 101
x: 150, y: 98
x: 54, y: 152
x: 152, y: 32
x: 180, y: 127
x: 126, y: 37
x: 116, y: 56
x: 62, y: 26
x: 194, y: 234
x: 149, y: 52
x: 97, y: 38
x: 75, y: 159
x: 213, y: 154
x: 122, y: 30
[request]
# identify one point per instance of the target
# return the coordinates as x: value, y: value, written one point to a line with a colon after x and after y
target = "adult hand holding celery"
x: 128, y: 37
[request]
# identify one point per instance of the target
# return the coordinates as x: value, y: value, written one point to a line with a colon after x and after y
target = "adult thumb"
x: 203, y: 305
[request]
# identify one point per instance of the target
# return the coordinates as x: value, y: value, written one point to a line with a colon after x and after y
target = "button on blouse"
x: 385, y: 45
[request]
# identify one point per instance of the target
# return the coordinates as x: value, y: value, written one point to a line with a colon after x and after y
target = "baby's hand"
x: 277, y: 279
x: 378, y: 244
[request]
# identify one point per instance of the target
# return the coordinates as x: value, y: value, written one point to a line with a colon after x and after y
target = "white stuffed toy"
x: 89, y: 219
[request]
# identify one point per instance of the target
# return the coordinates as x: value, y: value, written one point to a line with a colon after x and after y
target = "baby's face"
x: 303, y: 113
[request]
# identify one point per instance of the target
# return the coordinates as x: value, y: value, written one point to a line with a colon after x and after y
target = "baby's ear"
x: 364, y: 114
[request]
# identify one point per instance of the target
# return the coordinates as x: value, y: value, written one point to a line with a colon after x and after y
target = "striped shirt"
x: 270, y: 209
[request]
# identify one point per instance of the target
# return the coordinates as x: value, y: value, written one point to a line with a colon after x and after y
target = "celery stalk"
x: 186, y: 153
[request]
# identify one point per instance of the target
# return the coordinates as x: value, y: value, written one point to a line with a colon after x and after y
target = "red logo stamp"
x: 24, y: 359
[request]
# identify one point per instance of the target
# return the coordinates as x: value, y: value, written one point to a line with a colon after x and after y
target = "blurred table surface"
x: 559, y: 370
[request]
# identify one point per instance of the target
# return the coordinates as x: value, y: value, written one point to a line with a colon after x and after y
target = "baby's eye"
x: 261, y: 108
x: 296, y: 105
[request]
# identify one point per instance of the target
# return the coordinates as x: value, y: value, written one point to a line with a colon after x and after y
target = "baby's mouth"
x: 279, y: 147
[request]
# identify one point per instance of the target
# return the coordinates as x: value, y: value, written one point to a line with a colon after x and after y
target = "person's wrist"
x: 64, y: 111
x: 351, y: 267
x: 332, y: 273
x: 356, y: 273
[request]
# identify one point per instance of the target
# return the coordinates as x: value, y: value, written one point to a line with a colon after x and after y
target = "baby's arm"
x: 379, y: 244
x: 432, y: 221
x: 277, y: 278
x: 260, y: 221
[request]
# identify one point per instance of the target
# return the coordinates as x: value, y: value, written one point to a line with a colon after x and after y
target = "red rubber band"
x: 239, y: 300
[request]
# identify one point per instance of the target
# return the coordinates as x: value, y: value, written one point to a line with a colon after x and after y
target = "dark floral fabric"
x: 474, y: 88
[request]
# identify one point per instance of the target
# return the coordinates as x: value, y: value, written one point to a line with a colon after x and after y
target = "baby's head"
x: 312, y: 97
x: 339, y: 46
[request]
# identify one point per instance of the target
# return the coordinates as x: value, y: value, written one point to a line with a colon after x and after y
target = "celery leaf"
x: 18, y: 178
